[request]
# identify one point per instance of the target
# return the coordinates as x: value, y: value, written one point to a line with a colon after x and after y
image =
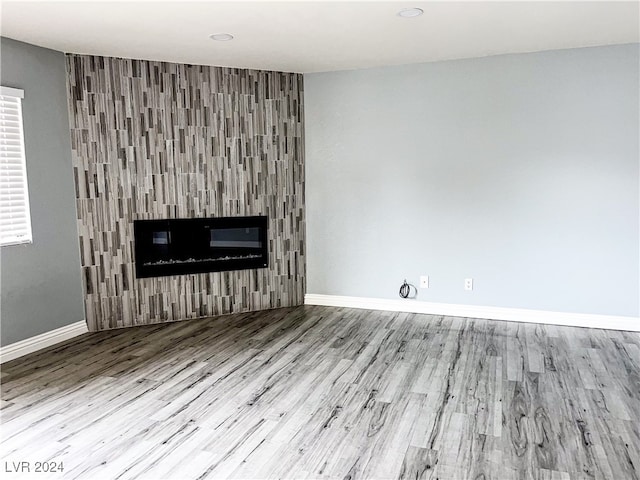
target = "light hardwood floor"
x: 321, y: 392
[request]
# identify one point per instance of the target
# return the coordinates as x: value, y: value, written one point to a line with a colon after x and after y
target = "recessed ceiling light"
x: 221, y: 37
x: 410, y: 12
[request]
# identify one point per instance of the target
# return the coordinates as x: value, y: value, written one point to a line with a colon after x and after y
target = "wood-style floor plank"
x: 322, y: 392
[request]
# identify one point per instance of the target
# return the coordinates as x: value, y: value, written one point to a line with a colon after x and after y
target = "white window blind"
x: 15, y: 219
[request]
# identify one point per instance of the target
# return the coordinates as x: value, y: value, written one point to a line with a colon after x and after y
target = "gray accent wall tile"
x: 153, y: 140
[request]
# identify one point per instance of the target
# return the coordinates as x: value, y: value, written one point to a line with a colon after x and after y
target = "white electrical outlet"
x: 424, y: 281
x: 468, y: 283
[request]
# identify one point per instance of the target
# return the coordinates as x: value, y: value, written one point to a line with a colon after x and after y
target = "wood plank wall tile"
x: 153, y: 140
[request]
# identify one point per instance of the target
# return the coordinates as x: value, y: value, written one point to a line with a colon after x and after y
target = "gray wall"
x: 40, y: 283
x: 520, y: 171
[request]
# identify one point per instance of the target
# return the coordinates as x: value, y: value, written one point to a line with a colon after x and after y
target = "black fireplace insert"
x: 197, y: 245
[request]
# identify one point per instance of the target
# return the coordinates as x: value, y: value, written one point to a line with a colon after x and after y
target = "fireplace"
x: 197, y: 245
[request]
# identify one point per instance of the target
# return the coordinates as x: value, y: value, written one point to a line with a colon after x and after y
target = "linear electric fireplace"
x: 197, y: 245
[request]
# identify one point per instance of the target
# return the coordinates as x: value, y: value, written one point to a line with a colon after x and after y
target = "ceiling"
x: 306, y: 36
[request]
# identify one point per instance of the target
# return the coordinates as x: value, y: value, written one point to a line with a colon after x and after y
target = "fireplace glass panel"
x: 180, y: 246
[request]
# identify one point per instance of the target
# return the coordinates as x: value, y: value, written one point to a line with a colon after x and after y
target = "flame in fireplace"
x: 201, y: 260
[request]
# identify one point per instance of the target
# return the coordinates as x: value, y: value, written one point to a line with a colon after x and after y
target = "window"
x: 15, y: 219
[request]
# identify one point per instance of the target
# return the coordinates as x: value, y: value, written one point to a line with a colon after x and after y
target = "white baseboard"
x: 610, y: 322
x: 41, y: 341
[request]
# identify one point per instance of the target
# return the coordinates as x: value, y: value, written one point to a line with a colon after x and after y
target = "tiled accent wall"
x: 154, y: 140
